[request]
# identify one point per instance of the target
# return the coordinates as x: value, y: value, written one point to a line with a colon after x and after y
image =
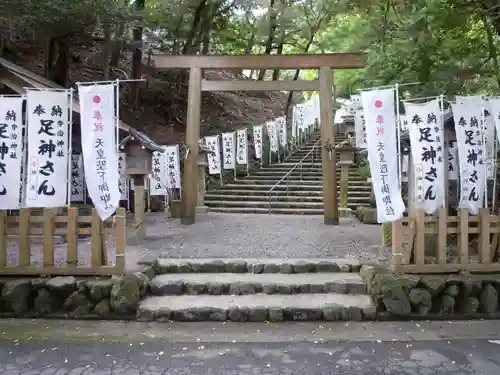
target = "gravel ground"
x: 220, y: 235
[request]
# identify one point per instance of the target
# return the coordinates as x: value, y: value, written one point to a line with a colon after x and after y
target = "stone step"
x: 276, y: 204
x: 277, y: 211
x: 308, y: 185
x: 292, y: 180
x: 298, y: 171
x: 299, y: 177
x: 252, y: 283
x: 257, y: 307
x: 295, y: 193
x: 212, y: 198
x: 252, y: 265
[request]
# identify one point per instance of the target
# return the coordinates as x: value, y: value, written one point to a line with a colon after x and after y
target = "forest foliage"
x: 450, y: 46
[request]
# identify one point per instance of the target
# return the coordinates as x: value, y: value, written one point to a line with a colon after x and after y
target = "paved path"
x: 75, y: 348
x: 218, y: 235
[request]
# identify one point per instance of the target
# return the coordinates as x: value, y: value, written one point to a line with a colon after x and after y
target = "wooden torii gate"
x: 326, y: 63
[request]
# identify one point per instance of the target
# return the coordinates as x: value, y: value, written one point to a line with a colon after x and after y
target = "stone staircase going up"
x: 257, y: 290
x: 303, y: 194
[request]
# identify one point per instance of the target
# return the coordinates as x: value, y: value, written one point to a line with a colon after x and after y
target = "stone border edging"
x: 429, y: 296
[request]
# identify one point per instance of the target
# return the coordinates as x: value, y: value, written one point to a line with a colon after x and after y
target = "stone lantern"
x: 138, y: 149
x: 346, y: 153
x: 203, y: 151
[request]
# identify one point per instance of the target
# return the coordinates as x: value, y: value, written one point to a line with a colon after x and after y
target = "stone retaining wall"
x: 66, y: 296
x: 432, y: 296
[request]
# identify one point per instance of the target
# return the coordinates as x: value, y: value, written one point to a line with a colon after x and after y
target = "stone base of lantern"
x: 202, y: 209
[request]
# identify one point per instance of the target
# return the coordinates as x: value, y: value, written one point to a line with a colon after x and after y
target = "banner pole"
x: 398, y: 133
x: 445, y: 148
x: 485, y: 152
x: 70, y: 141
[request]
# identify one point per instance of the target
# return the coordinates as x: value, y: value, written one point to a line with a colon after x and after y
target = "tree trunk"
x: 108, y: 46
x: 297, y: 73
x: 59, y: 73
x: 117, y: 46
x: 279, y: 51
x: 49, y: 57
x: 194, y: 27
x: 137, y: 55
x: 270, y: 38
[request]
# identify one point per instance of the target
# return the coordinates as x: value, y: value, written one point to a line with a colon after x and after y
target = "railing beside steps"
x: 297, y: 165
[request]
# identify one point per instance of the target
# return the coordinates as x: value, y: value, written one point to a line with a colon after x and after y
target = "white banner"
x: 281, y: 129
x: 452, y: 159
x: 47, y: 115
x: 380, y: 117
x: 300, y: 113
x: 100, y: 156
x: 272, y: 134
x: 360, y: 129
x: 77, y: 178
x: 213, y: 157
x: 427, y: 145
x: 228, y: 150
x: 494, y: 109
x: 489, y: 140
x: 403, y: 120
x: 158, y: 179
x: 11, y: 152
x: 257, y: 141
x: 173, y: 167
x: 471, y: 154
x: 242, y: 146
x: 123, y: 184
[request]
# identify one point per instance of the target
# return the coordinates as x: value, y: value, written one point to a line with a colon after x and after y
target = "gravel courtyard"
x: 219, y: 235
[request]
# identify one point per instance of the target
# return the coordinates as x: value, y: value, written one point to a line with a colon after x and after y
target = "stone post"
x: 139, y: 217
x: 202, y: 164
x: 344, y: 182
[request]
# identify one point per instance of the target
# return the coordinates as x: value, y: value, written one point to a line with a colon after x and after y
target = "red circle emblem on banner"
x: 378, y: 103
x: 97, y: 99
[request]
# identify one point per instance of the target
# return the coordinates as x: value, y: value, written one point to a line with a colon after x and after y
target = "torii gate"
x: 326, y: 63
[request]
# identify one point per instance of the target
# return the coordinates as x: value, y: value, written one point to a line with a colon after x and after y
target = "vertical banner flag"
x: 403, y: 119
x: 257, y: 141
x: 173, y: 167
x: 300, y: 116
x: 427, y: 143
x: 380, y: 117
x: 452, y: 159
x: 228, y: 150
x: 469, y: 127
x: 494, y: 108
x: 281, y: 129
x: 158, y: 180
x: 11, y: 152
x: 360, y: 129
x: 123, y: 182
x: 489, y: 140
x: 100, y: 156
x: 77, y: 179
x: 47, y: 115
x: 242, y: 146
x: 213, y: 157
x: 273, y: 136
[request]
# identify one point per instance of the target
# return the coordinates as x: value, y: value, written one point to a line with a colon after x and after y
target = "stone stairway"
x: 256, y: 290
x: 303, y: 194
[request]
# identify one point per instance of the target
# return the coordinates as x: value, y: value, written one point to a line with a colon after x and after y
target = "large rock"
x: 471, y: 305
x: 63, y: 285
x: 99, y: 289
x: 125, y: 295
x: 17, y: 296
x: 434, y: 284
x: 142, y: 283
x: 160, y: 287
x: 47, y: 302
x: 368, y: 272
x: 488, y: 299
x: 447, y: 304
x: 420, y: 297
x: 103, y: 309
x: 78, y: 304
x: 304, y: 267
x: 236, y: 266
x: 390, y: 290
